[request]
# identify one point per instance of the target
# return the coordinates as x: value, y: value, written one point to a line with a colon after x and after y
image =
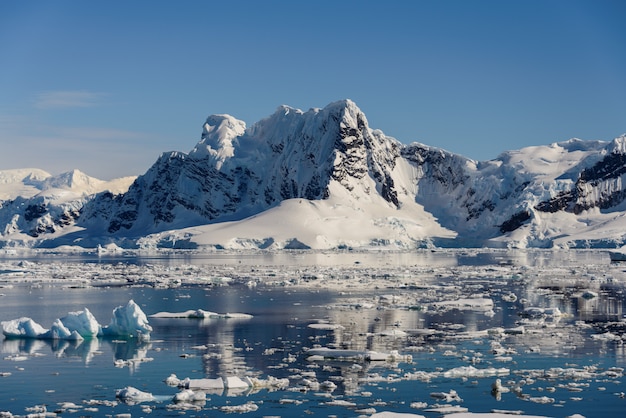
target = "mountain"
x: 324, y: 179
x: 21, y: 182
x: 36, y: 206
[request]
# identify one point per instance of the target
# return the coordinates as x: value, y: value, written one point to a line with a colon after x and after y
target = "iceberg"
x: 22, y: 328
x: 75, y: 326
x: 128, y: 321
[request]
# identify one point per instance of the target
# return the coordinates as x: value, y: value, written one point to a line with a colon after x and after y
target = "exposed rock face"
x: 235, y: 172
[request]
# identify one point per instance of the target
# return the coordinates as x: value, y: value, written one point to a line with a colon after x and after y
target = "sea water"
x: 454, y: 321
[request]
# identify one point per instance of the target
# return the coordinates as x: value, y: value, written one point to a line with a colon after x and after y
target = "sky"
x: 106, y: 87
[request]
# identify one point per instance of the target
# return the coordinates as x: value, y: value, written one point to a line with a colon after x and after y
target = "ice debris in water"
x: 189, y: 395
x: 230, y: 382
x: 451, y: 396
x: 201, y: 314
x: 323, y: 353
x: 133, y: 395
x: 127, y: 321
x: 247, y: 407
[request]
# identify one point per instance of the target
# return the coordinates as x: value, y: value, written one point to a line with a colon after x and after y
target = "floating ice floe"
x: 201, y: 314
x: 133, y: 395
x: 354, y: 355
x: 229, y: 383
x: 471, y: 371
x: 127, y: 321
x: 325, y: 326
x: 189, y: 395
x: 472, y: 304
x: 247, y: 407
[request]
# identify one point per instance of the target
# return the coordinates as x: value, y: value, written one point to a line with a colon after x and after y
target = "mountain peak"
x: 618, y: 146
x: 74, y: 180
x: 218, y: 133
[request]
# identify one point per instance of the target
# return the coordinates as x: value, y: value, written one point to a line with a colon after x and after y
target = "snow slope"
x: 318, y: 224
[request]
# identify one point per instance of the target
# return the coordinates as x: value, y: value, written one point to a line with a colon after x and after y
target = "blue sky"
x: 105, y: 87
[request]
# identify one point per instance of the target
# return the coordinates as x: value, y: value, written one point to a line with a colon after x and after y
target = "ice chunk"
x: 201, y: 314
x: 271, y: 382
x: 247, y: 407
x: 172, y: 380
x: 75, y: 326
x: 541, y: 399
x: 205, y: 384
x: 340, y: 402
x: 234, y: 382
x: 22, y: 328
x: 189, y: 395
x: 471, y: 371
x: 471, y: 304
x: 191, y: 314
x: 128, y: 321
x: 353, y: 355
x: 133, y: 395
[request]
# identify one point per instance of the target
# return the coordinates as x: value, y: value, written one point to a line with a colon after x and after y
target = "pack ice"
x: 127, y: 321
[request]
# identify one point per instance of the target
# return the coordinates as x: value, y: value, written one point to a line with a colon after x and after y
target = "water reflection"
x: 440, y: 316
x: 128, y: 352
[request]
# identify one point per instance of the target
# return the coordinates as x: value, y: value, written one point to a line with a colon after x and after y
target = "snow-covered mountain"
x: 324, y: 179
x: 35, y: 206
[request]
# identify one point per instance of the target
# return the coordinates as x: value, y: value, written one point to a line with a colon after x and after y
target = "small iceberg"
x: 133, y: 395
x: 128, y: 321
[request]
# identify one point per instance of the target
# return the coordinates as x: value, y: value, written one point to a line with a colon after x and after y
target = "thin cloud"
x: 98, y: 134
x: 65, y: 99
x: 102, y: 152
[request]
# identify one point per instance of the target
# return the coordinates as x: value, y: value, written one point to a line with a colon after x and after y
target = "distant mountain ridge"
x: 324, y: 179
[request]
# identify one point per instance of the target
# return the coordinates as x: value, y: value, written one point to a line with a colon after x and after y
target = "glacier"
x: 323, y: 179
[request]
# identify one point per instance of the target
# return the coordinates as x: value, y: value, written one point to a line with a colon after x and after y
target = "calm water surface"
x: 547, y: 361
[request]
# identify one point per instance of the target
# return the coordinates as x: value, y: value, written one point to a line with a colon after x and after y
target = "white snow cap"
x: 218, y: 134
